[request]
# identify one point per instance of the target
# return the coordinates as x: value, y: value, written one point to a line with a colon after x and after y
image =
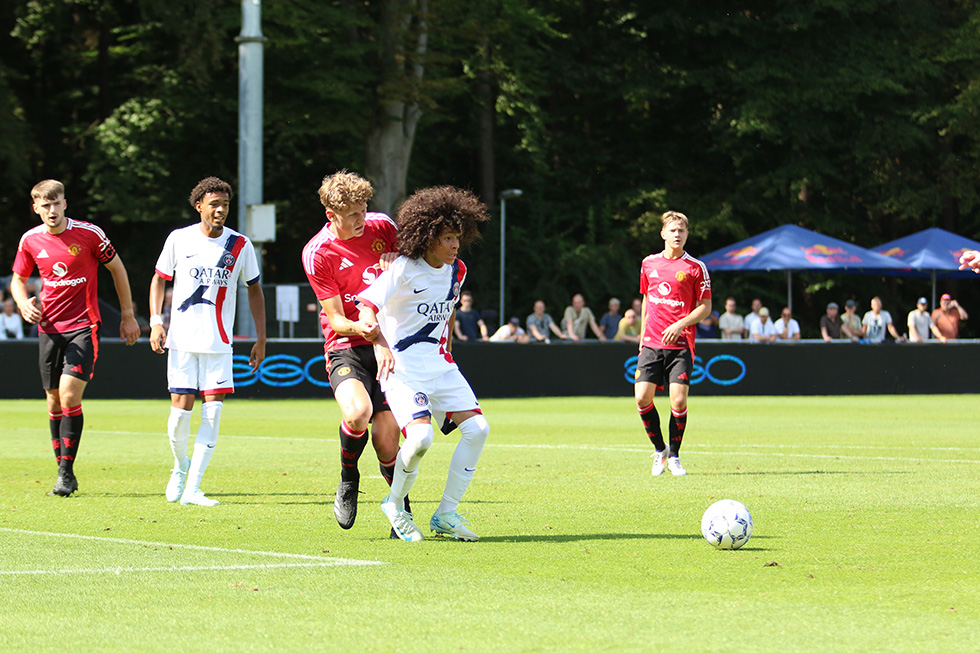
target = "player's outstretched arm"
x: 970, y: 259
x: 129, y: 329
x: 158, y: 334
x: 256, y: 304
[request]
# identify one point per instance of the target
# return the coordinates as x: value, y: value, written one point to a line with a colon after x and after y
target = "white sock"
x: 418, y: 439
x: 179, y: 430
x: 207, y: 437
x: 473, y: 435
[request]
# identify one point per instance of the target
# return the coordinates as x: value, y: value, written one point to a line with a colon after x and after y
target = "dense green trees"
x: 857, y: 118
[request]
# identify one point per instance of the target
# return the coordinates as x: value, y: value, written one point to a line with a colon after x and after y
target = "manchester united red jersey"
x: 69, y: 267
x: 345, y: 267
x: 672, y: 288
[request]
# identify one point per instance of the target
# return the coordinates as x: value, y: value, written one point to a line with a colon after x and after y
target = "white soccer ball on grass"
x: 726, y: 524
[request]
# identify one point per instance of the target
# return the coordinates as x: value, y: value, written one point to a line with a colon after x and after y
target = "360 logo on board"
x: 723, y: 369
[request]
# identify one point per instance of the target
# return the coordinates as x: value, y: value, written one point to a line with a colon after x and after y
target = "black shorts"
x: 72, y: 353
x: 357, y: 363
x: 657, y: 365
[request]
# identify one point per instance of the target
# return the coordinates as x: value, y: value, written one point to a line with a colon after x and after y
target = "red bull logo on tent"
x: 821, y: 254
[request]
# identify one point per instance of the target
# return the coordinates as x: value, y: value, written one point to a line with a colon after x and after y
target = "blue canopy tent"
x: 790, y: 248
x: 932, y: 252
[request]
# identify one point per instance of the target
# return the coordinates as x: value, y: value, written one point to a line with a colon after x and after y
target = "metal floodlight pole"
x: 510, y: 194
x: 251, y: 47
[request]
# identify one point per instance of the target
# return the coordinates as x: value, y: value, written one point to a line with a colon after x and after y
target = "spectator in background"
x: 786, y: 327
x: 830, y: 324
x: 629, y: 327
x: 510, y: 332
x: 469, y: 326
x: 708, y: 327
x: 753, y: 317
x: 577, y: 318
x: 877, y: 321
x: 851, y: 326
x: 11, y: 324
x: 920, y: 323
x: 948, y: 317
x: 609, y: 323
x: 540, y: 323
x: 168, y: 304
x: 638, y: 307
x: 763, y: 329
x: 731, y: 324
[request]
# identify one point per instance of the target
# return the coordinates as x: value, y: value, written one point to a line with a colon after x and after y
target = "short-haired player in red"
x: 344, y: 258
x: 67, y: 254
x: 676, y: 293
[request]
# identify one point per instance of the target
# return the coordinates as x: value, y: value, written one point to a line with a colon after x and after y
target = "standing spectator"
x: 638, y: 306
x: 708, y: 327
x: 920, y: 323
x: 67, y: 254
x: 786, y: 327
x: 11, y: 324
x: 609, y: 323
x: 469, y: 326
x: 539, y: 324
x: 752, y: 317
x: 763, y: 330
x: 732, y: 324
x: 205, y: 261
x: 510, y: 332
x: 830, y: 324
x: 877, y: 321
x: 413, y: 302
x: 346, y: 256
x: 577, y: 318
x: 676, y: 293
x: 948, y: 317
x: 629, y: 327
x: 851, y: 326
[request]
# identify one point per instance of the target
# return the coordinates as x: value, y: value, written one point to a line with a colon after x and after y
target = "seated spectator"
x: 851, y: 326
x: 11, y: 324
x: 830, y: 324
x: 920, y: 323
x: 731, y: 324
x: 629, y: 327
x: 708, y: 327
x: 609, y: 323
x: 877, y: 321
x: 577, y: 318
x: 752, y: 317
x: 786, y: 327
x: 948, y: 317
x: 539, y: 324
x: 763, y: 329
x: 510, y: 332
x: 469, y: 326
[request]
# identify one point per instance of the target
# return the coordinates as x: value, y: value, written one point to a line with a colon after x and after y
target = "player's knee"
x: 475, y: 430
x: 418, y: 439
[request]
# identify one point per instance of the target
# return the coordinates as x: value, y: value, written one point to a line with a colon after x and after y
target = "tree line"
x: 857, y: 118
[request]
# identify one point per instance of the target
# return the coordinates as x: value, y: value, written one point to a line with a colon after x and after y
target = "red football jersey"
x: 673, y: 288
x: 69, y: 266
x: 346, y: 267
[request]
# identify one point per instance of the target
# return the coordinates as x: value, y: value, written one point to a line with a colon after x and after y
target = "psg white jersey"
x: 205, y: 273
x: 414, y: 302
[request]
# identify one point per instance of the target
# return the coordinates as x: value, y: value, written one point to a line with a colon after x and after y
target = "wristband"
x: 156, y: 320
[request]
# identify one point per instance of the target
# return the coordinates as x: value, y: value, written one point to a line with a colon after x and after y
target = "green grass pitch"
x: 865, y: 509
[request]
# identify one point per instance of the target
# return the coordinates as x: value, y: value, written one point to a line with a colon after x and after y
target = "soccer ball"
x: 726, y: 524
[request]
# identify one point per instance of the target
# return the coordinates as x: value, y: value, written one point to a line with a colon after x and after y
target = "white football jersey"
x: 205, y: 273
x: 414, y: 302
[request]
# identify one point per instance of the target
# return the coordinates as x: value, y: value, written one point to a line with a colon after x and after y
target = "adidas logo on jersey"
x: 655, y: 275
x: 43, y: 254
x: 345, y: 263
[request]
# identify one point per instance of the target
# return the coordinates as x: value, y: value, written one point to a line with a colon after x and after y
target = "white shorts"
x: 411, y: 399
x: 189, y: 373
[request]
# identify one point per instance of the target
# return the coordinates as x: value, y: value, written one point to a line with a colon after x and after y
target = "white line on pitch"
x: 194, y: 547
x: 118, y: 570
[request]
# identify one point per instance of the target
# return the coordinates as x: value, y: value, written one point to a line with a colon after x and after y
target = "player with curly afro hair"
x: 413, y: 303
x: 424, y: 216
